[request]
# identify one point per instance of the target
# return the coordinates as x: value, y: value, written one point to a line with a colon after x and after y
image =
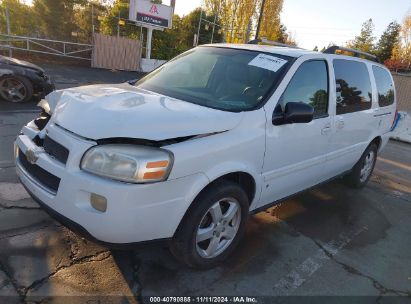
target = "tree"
x: 389, y: 39
x: 238, y: 16
x: 284, y: 37
x: 241, y: 22
x: 55, y: 17
x: 406, y: 37
x: 83, y: 19
x: 271, y: 26
x: 234, y: 16
x: 235, y: 21
x: 22, y: 19
x: 169, y: 43
x: 109, y: 25
x: 401, y: 54
x: 365, y: 41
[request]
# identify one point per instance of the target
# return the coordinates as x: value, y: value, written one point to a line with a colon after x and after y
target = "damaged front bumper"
x: 135, y: 212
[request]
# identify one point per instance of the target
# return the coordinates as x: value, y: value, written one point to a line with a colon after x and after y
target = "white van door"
x: 354, y: 123
x: 295, y: 156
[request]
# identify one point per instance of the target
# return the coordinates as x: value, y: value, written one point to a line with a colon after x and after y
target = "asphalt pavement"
x: 330, y: 241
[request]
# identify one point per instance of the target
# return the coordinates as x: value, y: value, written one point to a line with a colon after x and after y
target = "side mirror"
x: 295, y: 112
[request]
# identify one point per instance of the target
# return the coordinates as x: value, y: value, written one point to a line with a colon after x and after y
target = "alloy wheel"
x: 367, y: 166
x: 13, y: 90
x: 218, y: 228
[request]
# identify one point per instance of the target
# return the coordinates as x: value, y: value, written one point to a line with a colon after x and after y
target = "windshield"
x: 220, y: 78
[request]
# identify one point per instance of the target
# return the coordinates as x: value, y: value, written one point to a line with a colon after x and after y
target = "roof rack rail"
x: 269, y: 42
x: 357, y: 53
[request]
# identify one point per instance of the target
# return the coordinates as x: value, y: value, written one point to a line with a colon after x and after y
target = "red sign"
x: 154, y: 9
x: 153, y: 14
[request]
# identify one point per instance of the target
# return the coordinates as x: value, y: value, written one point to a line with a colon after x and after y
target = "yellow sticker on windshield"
x: 268, y: 62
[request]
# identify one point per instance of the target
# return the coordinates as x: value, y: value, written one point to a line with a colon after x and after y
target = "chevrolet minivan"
x: 185, y: 154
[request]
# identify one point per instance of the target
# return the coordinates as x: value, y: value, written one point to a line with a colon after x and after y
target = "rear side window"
x: 310, y: 85
x: 385, y: 87
x: 354, y: 91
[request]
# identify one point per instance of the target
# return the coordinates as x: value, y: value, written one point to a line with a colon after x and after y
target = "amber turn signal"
x: 154, y: 175
x: 157, y: 164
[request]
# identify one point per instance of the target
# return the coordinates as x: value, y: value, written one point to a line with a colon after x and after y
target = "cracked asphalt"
x: 330, y: 241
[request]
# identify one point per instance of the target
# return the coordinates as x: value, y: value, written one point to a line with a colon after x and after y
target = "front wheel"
x: 363, y: 169
x: 213, y: 226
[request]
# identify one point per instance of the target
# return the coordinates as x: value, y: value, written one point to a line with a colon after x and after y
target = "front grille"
x: 55, y: 150
x: 43, y: 177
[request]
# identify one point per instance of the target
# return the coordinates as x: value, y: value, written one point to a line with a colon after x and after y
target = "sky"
x: 319, y: 22
x: 183, y: 7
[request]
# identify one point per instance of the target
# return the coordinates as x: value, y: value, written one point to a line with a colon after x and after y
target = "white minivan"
x: 185, y: 154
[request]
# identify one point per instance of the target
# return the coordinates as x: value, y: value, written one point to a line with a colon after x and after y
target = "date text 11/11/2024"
x: 206, y: 299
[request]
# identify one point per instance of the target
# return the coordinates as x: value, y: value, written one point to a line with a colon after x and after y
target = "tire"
x: 363, y: 169
x: 15, y: 89
x: 220, y: 239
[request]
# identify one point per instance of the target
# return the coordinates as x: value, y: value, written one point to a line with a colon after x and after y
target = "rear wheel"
x: 363, y: 169
x: 16, y: 89
x: 212, y: 227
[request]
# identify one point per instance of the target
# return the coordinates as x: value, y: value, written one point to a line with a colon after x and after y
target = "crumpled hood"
x: 112, y: 111
x: 22, y: 63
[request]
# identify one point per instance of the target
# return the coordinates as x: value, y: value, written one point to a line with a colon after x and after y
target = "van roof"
x: 286, y: 51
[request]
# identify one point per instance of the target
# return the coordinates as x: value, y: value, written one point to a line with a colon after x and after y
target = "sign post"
x: 151, y: 16
x: 149, y: 38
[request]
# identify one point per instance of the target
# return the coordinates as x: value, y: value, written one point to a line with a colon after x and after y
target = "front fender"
x: 6, y: 72
x: 224, y: 168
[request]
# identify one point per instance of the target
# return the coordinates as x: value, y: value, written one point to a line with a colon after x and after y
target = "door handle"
x: 340, y: 124
x: 326, y: 130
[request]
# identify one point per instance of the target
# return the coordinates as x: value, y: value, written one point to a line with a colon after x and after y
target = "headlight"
x: 16, y: 150
x: 128, y: 163
x: 44, y: 104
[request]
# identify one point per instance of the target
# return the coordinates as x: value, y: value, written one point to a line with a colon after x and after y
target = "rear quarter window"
x: 354, y: 91
x: 385, y: 86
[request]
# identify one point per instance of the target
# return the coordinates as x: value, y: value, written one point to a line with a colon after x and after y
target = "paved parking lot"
x: 329, y: 241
